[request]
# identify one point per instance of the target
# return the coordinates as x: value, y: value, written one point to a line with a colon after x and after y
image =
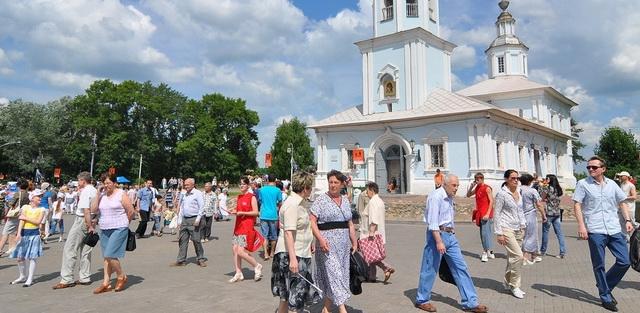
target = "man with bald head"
x: 190, y: 212
x: 442, y: 242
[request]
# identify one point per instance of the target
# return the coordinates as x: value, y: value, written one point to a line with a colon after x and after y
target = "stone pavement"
x: 554, y: 285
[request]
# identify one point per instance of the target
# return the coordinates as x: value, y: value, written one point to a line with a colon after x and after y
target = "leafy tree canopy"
x: 292, y: 134
x: 620, y: 150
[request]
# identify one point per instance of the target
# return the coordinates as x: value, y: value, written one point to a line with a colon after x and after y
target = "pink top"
x: 112, y: 213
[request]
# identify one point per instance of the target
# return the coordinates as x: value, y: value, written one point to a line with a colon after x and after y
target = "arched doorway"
x: 390, y: 167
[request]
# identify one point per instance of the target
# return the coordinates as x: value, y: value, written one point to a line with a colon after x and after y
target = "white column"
x: 400, y: 15
x: 473, y: 161
x: 407, y: 76
x: 480, y: 142
x: 414, y: 74
x: 422, y: 86
x: 366, y: 84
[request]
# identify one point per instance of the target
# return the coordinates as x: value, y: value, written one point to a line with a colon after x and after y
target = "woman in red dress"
x: 245, y: 238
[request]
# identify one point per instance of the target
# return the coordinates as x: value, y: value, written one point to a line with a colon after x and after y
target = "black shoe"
x: 613, y: 300
x: 610, y: 306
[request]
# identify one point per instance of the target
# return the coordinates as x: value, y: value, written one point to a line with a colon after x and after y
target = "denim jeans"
x: 557, y: 228
x: 617, y: 244
x: 157, y: 223
x: 431, y: 263
x: 55, y: 223
x: 486, y: 234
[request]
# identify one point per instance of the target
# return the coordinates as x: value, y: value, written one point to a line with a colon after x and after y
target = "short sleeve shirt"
x: 599, y: 205
x: 294, y: 216
x: 87, y: 195
x: 269, y: 197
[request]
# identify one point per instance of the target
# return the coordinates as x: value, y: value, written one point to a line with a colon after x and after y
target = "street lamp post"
x: 290, y: 151
x: 93, y: 152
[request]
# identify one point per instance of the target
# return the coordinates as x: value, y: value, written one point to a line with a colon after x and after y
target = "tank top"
x: 112, y: 213
x: 482, y: 200
x: 31, y: 213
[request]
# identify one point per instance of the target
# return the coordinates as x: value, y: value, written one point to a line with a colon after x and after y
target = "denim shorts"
x: 269, y: 230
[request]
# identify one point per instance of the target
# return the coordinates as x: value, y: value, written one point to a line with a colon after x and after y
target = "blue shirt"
x: 600, y: 204
x: 145, y: 195
x: 439, y: 210
x: 270, y: 197
x: 192, y: 204
x: 44, y: 201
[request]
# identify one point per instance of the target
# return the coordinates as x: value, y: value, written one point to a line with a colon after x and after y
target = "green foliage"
x: 576, y: 144
x: 176, y: 136
x: 292, y: 133
x: 620, y: 150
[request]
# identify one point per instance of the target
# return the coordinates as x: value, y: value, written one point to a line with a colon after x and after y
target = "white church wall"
x: 388, y: 55
x: 435, y: 79
x: 560, y: 112
x: 522, y: 103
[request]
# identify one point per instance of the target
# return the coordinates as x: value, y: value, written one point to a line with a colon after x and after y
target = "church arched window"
x: 388, y: 86
x: 412, y: 8
x: 387, y: 10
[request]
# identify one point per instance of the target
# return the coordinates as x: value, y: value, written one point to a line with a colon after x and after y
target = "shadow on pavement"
x: 628, y: 285
x: 571, y: 293
x: 6, y: 266
x: 436, y: 298
x: 47, y: 277
x: 477, y: 256
x: 487, y: 283
x: 317, y: 308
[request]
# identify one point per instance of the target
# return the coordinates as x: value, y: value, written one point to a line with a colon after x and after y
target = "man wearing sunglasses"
x: 597, y: 201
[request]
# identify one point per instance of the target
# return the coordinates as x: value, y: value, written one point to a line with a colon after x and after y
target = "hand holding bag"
x: 91, y: 239
x: 372, y: 249
x: 16, y: 210
x: 131, y: 241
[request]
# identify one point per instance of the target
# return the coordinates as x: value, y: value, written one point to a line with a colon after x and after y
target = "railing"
x: 387, y: 13
x: 412, y: 10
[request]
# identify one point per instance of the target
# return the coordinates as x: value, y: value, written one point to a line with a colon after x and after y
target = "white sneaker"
x: 60, y: 240
x: 484, y: 257
x: 526, y: 262
x: 491, y: 255
x: 518, y: 293
x: 258, y: 272
x: 537, y: 259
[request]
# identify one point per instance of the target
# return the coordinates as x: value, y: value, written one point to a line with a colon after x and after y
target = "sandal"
x: 102, y: 288
x: 387, y: 274
x: 120, y: 283
x: 237, y: 277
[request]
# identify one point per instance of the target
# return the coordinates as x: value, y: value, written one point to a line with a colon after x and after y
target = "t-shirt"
x: 87, y: 194
x: 294, y: 216
x: 44, y: 201
x: 146, y: 196
x: 627, y: 188
x: 31, y: 213
x: 270, y: 196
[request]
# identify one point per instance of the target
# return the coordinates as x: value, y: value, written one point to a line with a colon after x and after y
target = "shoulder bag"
x: 15, y: 211
x: 372, y: 249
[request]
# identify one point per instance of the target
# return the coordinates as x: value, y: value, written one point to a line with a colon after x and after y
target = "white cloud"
x: 457, y: 83
x: 570, y: 88
x: 3, y: 101
x: 224, y: 75
x: 5, y: 68
x: 463, y: 57
x: 626, y: 58
x: 67, y: 79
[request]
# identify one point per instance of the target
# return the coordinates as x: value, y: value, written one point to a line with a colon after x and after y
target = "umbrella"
x: 122, y: 179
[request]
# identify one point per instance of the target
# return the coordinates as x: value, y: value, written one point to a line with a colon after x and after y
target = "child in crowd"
x: 170, y: 220
x: 158, y: 205
x: 29, y: 246
x: 56, y: 218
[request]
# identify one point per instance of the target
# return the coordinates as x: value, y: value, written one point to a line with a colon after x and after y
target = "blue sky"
x: 297, y: 58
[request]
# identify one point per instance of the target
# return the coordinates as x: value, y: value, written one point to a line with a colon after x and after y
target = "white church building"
x: 411, y: 124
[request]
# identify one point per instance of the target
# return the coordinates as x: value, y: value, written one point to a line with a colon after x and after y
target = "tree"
x: 290, y: 134
x: 620, y: 150
x: 576, y: 144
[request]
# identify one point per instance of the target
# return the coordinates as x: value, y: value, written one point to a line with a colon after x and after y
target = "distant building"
x: 410, y: 123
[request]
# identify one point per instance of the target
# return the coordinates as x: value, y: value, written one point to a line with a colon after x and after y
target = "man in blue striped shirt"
x: 442, y: 242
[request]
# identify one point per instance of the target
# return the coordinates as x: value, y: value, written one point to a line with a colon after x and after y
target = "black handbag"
x: 131, y: 241
x: 634, y: 249
x: 91, y: 239
x: 445, y: 272
x: 358, y: 272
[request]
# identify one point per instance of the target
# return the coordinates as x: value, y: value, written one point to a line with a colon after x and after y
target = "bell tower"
x: 507, y: 54
x: 406, y: 59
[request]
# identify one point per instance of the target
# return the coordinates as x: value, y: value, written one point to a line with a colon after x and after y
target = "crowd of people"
x: 310, y: 238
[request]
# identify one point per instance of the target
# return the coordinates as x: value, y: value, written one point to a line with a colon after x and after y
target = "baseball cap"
x: 624, y: 173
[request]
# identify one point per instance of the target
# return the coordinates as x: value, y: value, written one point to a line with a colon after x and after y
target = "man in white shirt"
x: 75, y: 246
x: 191, y: 210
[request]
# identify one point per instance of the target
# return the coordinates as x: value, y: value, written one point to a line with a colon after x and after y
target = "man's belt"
x: 447, y: 229
x: 191, y: 216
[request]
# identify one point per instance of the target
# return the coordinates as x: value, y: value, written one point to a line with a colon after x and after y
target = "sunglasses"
x: 593, y: 167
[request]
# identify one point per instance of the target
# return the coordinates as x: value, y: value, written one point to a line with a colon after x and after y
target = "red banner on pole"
x: 112, y: 171
x: 267, y: 160
x: 56, y: 172
x: 358, y: 156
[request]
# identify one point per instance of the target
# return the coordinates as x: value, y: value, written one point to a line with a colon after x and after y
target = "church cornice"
x: 405, y: 36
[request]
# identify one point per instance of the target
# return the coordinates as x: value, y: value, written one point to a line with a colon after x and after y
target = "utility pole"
x: 93, y: 152
x: 290, y: 150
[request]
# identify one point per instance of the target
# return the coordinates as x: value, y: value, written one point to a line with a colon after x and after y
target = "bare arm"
x: 472, y: 189
x: 439, y: 244
x: 490, y: 209
x: 352, y: 236
x: 633, y: 195
x: 128, y: 207
x: 577, y: 211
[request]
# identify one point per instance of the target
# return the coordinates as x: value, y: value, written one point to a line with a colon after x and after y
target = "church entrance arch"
x: 388, y: 162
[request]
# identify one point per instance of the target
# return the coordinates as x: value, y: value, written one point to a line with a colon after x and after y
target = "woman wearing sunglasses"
x: 509, y: 225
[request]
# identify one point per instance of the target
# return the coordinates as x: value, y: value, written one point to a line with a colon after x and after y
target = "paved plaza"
x: 554, y: 285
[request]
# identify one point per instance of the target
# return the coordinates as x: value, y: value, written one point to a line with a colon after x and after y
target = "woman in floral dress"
x: 335, y: 235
